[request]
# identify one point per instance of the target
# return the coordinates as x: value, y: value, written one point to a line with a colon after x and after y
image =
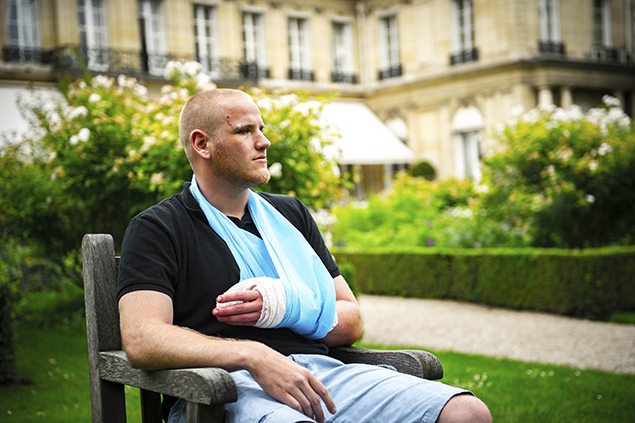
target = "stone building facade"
x: 441, y: 74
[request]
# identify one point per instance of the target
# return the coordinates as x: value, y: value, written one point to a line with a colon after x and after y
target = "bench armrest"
x: 413, y: 362
x: 208, y: 385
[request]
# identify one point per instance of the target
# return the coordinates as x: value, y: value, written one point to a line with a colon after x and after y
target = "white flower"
x: 102, y: 81
x: 565, y: 154
x: 172, y: 68
x: 192, y: 68
x: 610, y: 101
x: 78, y: 112
x: 204, y: 82
x: 141, y: 90
x: 275, y: 170
x: 604, y: 148
x: 593, y: 165
x: 94, y: 97
x: 590, y: 198
x: 148, y: 141
x: 83, y: 134
x: 74, y: 140
x: 156, y: 178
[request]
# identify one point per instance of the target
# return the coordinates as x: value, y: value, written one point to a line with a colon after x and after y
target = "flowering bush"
x: 417, y: 212
x: 103, y: 149
x: 566, y: 178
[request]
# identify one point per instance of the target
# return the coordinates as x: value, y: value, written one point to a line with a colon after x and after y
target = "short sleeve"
x: 148, y: 259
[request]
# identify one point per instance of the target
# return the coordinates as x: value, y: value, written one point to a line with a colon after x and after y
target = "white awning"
x: 364, y: 139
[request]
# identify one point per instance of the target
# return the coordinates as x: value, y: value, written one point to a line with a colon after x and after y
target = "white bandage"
x: 274, y: 302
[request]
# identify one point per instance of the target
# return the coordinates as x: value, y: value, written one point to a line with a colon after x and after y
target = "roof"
x: 364, y: 139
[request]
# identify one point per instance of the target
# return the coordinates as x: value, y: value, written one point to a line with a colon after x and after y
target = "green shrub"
x: 566, y: 178
x: 585, y: 283
x: 424, y: 170
x: 421, y: 213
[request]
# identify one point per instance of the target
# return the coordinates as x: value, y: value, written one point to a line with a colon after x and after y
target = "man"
x: 181, y: 257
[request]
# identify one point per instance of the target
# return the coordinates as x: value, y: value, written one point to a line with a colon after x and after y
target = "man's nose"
x: 262, y: 143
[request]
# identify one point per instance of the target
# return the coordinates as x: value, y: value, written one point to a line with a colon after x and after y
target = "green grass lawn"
x: 55, y: 362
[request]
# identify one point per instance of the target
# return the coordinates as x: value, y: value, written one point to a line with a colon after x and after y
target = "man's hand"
x: 291, y: 384
x: 245, y: 312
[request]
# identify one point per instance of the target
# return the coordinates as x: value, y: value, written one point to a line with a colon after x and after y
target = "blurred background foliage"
x: 560, y: 178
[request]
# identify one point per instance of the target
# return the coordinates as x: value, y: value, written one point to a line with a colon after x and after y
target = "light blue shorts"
x: 361, y: 392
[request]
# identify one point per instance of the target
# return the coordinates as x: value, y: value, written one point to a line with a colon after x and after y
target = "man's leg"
x: 466, y: 409
x: 364, y: 393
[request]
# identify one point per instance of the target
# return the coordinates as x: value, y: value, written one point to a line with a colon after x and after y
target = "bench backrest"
x: 102, y: 323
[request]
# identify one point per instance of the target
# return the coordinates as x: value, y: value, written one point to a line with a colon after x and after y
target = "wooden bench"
x: 205, y: 389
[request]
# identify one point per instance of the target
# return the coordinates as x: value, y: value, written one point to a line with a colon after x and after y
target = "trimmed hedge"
x: 589, y: 283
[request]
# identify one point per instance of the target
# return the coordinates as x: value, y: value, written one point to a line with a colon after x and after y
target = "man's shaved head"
x: 203, y: 111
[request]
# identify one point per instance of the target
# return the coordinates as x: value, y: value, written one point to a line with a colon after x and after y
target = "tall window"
x: 205, y: 34
x: 24, y: 36
x: 254, y: 45
x: 389, y: 44
x: 467, y: 155
x: 463, y: 32
x: 549, y: 13
x: 342, y: 70
x: 91, y: 15
x: 152, y: 35
x: 299, y: 50
x: 467, y: 130
x: 602, y: 23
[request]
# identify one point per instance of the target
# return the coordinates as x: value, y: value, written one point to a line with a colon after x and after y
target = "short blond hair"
x: 202, y: 111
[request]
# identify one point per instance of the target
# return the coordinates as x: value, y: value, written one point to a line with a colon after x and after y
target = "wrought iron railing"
x: 610, y: 55
x: 464, y: 56
x: 16, y: 54
x: 551, y: 47
x: 391, y: 72
x: 131, y: 62
x: 337, y: 76
x: 301, y: 74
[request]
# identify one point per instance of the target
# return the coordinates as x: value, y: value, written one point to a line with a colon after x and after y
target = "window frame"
x: 206, y: 37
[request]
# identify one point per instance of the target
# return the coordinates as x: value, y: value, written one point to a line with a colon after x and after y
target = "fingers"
x: 319, y: 389
x: 312, y: 406
x: 244, y: 309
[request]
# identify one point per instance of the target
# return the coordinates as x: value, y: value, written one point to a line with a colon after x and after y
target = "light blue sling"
x: 281, y: 253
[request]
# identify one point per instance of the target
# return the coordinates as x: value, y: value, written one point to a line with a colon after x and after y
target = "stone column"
x: 545, y: 96
x: 566, y: 97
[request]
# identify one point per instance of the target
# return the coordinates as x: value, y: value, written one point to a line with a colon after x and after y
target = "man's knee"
x: 465, y: 408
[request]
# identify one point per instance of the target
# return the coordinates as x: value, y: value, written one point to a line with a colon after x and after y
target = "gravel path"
x: 495, y: 332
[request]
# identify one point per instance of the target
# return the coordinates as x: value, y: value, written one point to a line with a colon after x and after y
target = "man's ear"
x: 200, y: 144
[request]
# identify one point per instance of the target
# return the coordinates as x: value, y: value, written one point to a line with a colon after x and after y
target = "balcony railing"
x: 130, y: 62
x: 301, y: 74
x: 391, y: 72
x: 253, y: 71
x: 551, y: 47
x: 348, y: 77
x: 16, y: 54
x: 464, y: 56
x: 609, y: 55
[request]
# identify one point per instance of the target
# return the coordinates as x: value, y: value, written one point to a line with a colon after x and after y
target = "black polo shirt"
x: 171, y: 248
